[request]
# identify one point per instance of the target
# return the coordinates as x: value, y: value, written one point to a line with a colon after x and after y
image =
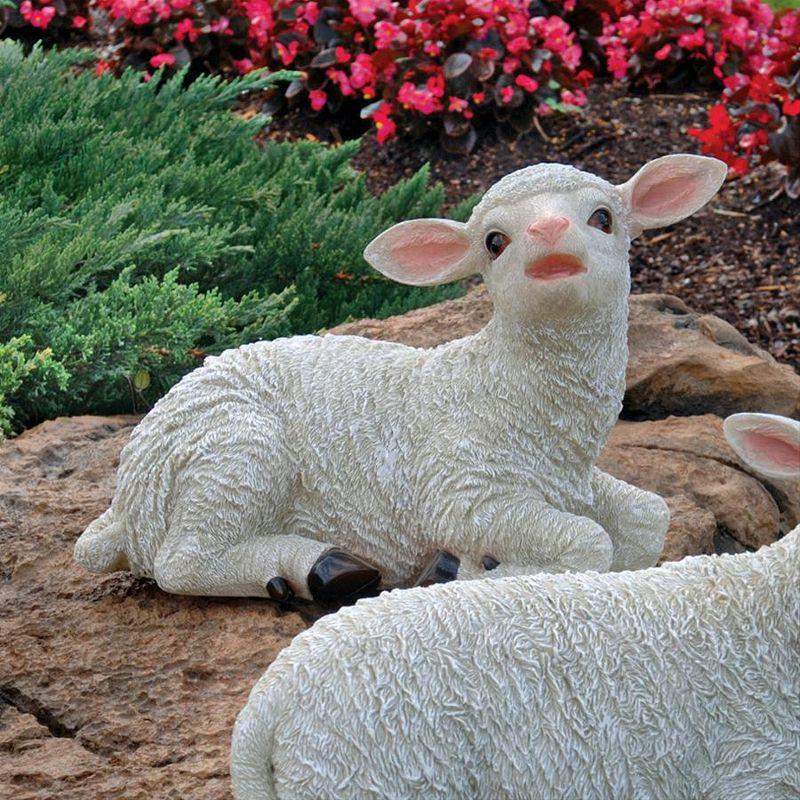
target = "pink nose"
x: 548, y: 229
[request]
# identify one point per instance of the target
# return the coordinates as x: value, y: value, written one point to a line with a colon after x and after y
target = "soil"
x: 737, y: 258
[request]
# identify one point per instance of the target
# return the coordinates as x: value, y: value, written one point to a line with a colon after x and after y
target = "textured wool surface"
x: 674, y: 683
x: 261, y: 460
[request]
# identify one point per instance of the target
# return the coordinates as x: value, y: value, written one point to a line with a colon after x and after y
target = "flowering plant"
x: 449, y: 63
x: 737, y: 45
x: 444, y: 60
x: 45, y: 18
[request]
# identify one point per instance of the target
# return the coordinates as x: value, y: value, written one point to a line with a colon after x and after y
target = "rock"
x: 35, y: 756
x: 686, y: 363
x: 680, y: 362
x: 701, y: 436
x: 689, y: 457
x: 109, y: 688
x: 691, y: 529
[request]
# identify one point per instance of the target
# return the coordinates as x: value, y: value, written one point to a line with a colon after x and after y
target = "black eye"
x: 496, y: 242
x: 601, y: 219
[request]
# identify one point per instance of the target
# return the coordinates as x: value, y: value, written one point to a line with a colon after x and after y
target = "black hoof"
x: 442, y: 568
x: 489, y: 563
x: 339, y: 577
x: 279, y: 590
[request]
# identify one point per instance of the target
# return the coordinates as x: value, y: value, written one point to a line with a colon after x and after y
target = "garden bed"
x: 737, y: 258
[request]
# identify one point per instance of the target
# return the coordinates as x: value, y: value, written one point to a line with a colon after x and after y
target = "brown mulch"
x: 738, y: 258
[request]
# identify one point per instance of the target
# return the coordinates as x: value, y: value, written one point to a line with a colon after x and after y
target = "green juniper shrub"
x: 142, y: 228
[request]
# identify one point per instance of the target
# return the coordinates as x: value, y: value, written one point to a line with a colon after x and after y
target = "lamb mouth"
x: 555, y: 266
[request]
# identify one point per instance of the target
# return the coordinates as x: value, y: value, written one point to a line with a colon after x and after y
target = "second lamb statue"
x: 321, y: 466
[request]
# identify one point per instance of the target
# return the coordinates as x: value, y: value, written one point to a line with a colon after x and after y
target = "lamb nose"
x: 548, y: 229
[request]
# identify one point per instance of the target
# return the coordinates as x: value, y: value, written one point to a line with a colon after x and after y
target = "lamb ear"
x: 768, y: 443
x: 671, y: 188
x: 423, y: 252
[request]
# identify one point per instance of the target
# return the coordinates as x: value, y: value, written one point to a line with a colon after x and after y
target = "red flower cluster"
x: 421, y: 60
x: 447, y: 63
x: 51, y: 18
x: 736, y: 44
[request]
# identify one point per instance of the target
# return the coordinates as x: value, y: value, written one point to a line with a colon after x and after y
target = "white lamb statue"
x: 679, y: 682
x: 318, y: 466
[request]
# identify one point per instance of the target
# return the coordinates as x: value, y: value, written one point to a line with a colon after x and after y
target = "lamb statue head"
x: 323, y: 467
x: 549, y: 240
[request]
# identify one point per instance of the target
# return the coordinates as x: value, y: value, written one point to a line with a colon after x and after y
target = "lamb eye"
x: 601, y: 219
x: 496, y: 242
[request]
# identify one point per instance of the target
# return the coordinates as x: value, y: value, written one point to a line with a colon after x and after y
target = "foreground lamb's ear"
x: 671, y: 188
x: 768, y: 443
x: 423, y: 252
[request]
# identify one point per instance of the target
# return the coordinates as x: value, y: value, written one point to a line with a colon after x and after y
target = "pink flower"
x: 141, y: 15
x: 79, y: 22
x: 457, y: 104
x: 663, y: 53
x: 341, y: 80
x: 42, y: 17
x: 26, y: 9
x: 361, y: 71
x: 220, y: 25
x: 692, y: 41
x: 243, y: 65
x: 311, y: 13
x: 572, y: 56
x: 287, y: 54
x: 364, y: 11
x: 506, y: 93
x: 342, y: 56
x: 318, y: 99
x: 527, y: 83
x: 420, y: 98
x: 388, y: 36
x: 162, y: 60
x: 519, y: 45
x: 185, y: 30
x: 384, y: 125
x: 791, y: 108
x: 576, y: 98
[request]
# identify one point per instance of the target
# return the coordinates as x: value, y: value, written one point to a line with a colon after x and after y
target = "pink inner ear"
x: 657, y: 198
x: 771, y: 452
x: 425, y: 257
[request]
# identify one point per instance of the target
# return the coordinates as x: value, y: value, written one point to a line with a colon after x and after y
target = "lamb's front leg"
x: 636, y: 521
x: 522, y: 535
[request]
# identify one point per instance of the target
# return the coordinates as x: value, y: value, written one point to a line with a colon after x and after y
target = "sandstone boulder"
x: 687, y: 363
x: 688, y: 461
x: 692, y: 529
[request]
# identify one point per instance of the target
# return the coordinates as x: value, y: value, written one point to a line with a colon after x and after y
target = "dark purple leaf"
x: 324, y: 59
x: 456, y: 64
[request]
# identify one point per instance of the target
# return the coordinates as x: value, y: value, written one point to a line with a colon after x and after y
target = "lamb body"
x: 674, y: 683
x: 259, y: 462
x: 313, y: 418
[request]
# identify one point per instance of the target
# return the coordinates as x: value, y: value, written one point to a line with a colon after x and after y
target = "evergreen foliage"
x: 142, y: 228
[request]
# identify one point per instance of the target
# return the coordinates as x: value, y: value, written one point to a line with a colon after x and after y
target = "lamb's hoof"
x: 339, y: 577
x: 442, y: 568
x: 280, y: 591
x: 490, y: 563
